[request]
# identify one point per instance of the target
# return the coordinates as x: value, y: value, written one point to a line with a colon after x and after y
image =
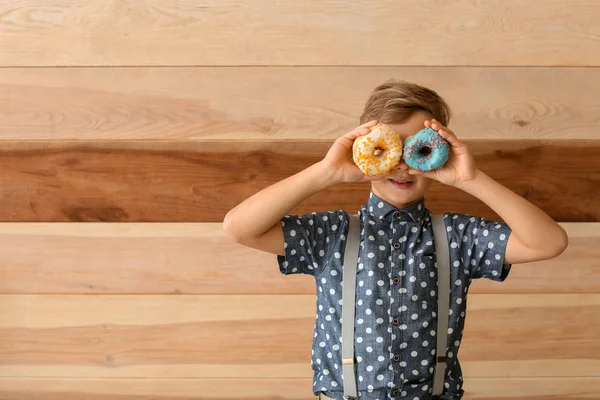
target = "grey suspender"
x: 349, y: 302
x: 442, y: 255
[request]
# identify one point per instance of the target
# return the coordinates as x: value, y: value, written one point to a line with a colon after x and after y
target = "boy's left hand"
x: 460, y: 167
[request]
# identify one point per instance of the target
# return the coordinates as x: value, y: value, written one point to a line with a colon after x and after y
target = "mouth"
x: 401, y: 183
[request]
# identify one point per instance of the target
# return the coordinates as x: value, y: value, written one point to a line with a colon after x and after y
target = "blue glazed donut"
x: 426, y: 151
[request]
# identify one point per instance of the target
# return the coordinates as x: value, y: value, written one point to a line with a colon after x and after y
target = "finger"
x: 446, y: 133
x: 356, y: 133
x: 436, y: 125
x: 368, y: 124
x: 450, y: 137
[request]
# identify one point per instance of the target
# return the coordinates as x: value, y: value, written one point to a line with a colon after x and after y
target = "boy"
x: 396, y: 281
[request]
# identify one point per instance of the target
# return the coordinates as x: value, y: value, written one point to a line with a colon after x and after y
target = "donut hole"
x: 378, y: 151
x: 425, y: 151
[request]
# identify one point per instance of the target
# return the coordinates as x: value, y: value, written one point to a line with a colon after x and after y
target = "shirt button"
x: 396, y: 281
x: 396, y: 357
x: 396, y: 245
x: 397, y: 214
x: 396, y: 321
x: 396, y: 392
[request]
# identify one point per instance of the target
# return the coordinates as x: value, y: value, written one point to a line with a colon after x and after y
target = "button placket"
x: 397, y: 321
x: 401, y: 299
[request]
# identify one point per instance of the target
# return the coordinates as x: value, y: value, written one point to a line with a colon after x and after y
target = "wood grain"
x: 156, y: 389
x: 200, y: 105
x: 266, y: 32
x: 197, y: 258
x: 83, y: 335
x: 300, y: 103
x: 199, y: 181
x: 271, y: 389
x: 507, y: 369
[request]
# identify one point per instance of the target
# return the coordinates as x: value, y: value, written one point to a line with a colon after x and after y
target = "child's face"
x: 402, y: 197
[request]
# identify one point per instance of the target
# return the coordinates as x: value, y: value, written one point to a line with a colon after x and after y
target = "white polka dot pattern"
x: 396, y: 293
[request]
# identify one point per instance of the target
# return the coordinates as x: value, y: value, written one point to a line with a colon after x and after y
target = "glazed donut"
x: 426, y: 150
x: 377, y: 152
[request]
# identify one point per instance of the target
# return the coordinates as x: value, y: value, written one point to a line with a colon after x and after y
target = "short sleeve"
x: 482, y: 245
x: 311, y: 240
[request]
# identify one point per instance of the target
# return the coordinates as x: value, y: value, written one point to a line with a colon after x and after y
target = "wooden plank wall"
x: 129, y: 128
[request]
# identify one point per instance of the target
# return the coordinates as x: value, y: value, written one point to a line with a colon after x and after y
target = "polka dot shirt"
x: 396, y: 294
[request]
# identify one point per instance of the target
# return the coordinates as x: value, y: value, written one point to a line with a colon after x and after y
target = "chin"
x: 400, y: 195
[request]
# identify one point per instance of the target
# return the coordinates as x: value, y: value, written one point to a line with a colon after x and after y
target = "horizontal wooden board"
x: 155, y: 389
x: 200, y: 181
x: 263, y: 389
x: 508, y: 369
x: 264, y: 32
x: 89, y: 335
x: 300, y: 103
x: 197, y: 258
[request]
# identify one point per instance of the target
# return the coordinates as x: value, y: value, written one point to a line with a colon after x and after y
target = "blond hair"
x: 395, y: 101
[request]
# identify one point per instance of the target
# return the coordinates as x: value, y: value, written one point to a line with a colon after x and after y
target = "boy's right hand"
x: 256, y: 222
x: 339, y: 162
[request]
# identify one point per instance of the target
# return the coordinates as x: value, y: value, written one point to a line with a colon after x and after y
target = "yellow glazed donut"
x: 377, y: 152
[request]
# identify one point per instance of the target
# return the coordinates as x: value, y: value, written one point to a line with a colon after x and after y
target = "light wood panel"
x: 507, y: 369
x: 89, y: 335
x: 271, y: 389
x: 239, y: 336
x: 155, y: 389
x: 267, y: 32
x: 286, y: 103
x: 197, y: 258
x: 162, y: 181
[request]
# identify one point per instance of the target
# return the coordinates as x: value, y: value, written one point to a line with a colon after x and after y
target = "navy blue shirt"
x: 396, y: 293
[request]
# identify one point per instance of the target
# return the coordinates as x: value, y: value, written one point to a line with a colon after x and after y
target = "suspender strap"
x: 348, y: 304
x: 443, y: 268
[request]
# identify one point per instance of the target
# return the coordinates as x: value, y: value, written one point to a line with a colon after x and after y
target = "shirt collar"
x: 381, y: 209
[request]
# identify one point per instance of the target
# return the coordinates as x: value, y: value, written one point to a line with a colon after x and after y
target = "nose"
x: 402, y: 166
